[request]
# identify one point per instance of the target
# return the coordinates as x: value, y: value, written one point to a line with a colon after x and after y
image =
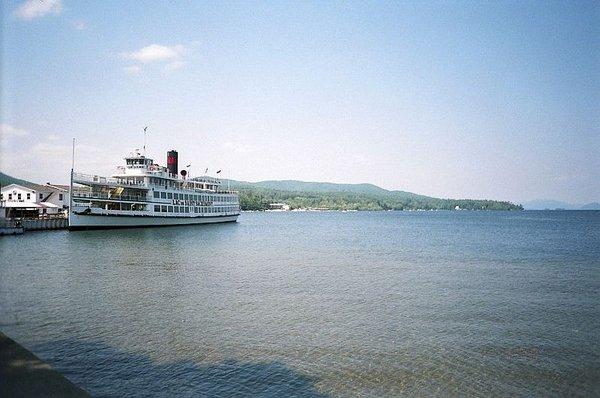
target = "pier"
x: 44, y: 224
x: 10, y: 227
x: 18, y: 226
x: 22, y: 374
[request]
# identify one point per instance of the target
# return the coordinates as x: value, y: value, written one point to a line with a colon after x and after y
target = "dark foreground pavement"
x: 22, y: 374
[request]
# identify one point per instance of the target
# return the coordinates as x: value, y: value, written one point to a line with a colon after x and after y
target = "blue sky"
x: 451, y: 99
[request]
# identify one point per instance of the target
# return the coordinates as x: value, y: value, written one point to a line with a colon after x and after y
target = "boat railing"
x: 80, y: 177
x: 92, y: 195
x: 226, y: 191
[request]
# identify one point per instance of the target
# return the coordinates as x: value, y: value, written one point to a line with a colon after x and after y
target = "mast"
x: 71, y: 183
x: 145, y: 128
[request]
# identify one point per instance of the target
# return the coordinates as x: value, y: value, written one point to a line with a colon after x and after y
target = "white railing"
x: 91, y: 195
x: 90, y: 178
x: 94, y: 178
x: 230, y: 191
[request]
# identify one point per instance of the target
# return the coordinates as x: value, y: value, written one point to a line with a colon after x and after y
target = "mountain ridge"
x: 339, y: 196
x: 551, y: 204
x: 317, y: 186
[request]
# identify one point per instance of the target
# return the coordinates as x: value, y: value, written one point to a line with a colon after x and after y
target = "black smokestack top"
x: 172, y: 162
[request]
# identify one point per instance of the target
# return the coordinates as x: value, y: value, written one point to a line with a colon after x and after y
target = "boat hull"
x: 87, y: 221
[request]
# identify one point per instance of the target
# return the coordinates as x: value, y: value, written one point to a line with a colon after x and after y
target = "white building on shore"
x: 34, y: 200
x: 278, y: 207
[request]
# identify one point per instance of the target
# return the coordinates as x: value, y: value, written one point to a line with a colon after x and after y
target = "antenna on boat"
x: 145, y: 128
x: 73, y: 156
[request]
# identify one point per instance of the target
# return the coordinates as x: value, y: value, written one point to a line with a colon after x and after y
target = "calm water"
x: 316, y: 304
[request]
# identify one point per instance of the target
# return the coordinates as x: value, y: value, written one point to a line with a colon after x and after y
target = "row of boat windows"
x: 194, y: 209
x: 194, y: 197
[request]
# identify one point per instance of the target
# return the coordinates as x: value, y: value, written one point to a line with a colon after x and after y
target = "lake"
x: 316, y: 304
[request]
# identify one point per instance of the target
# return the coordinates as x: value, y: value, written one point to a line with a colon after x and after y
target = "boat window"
x: 156, y: 194
x: 169, y: 195
x: 163, y: 209
x: 170, y: 209
x: 163, y: 195
x: 156, y: 208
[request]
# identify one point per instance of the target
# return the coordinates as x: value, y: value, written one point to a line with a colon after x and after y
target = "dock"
x: 22, y: 374
x: 18, y: 226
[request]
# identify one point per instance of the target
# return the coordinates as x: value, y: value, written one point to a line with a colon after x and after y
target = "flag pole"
x: 145, y: 128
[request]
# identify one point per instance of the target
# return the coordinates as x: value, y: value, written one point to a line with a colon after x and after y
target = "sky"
x: 473, y: 99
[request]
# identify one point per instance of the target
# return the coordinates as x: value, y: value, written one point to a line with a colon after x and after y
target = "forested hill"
x: 304, y: 195
x: 5, y: 180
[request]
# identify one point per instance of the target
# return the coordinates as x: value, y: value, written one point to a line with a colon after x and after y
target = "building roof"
x: 37, y: 187
x: 21, y: 205
x: 29, y: 205
x: 28, y: 186
x: 58, y: 186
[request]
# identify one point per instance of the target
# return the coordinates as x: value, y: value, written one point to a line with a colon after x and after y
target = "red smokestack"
x: 172, y: 161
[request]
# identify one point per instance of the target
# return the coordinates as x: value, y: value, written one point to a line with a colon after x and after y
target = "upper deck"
x: 142, y: 173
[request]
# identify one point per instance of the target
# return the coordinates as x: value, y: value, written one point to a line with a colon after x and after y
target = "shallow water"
x: 316, y: 304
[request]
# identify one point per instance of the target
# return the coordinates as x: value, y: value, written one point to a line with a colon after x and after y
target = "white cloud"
x: 155, y: 52
x: 7, y: 130
x: 132, y: 69
x: 49, y: 160
x: 174, y: 65
x: 32, y: 9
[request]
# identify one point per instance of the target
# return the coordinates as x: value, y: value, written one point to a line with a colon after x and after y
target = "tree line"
x: 260, y: 198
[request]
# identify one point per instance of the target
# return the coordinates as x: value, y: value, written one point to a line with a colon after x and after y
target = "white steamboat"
x: 144, y: 194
